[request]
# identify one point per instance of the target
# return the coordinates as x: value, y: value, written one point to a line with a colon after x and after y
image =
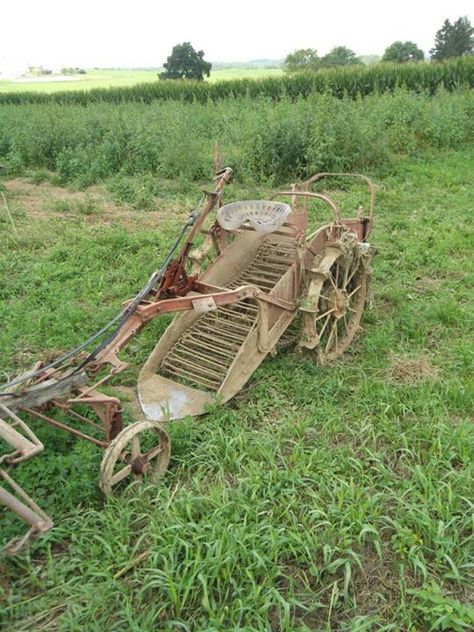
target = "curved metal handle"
x: 368, y: 181
x: 319, y: 196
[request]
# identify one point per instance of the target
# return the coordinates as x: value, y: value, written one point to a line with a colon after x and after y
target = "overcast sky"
x: 131, y: 33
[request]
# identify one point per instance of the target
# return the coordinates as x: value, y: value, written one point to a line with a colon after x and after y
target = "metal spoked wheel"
x: 340, y: 306
x: 140, y: 451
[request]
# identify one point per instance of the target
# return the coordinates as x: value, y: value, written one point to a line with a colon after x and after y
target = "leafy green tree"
x: 340, y: 56
x: 302, y: 59
x: 401, y: 52
x: 453, y: 40
x: 185, y: 63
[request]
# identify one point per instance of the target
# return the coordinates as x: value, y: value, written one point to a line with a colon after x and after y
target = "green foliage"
x: 340, y: 56
x: 186, y: 63
x: 261, y: 138
x: 353, y: 81
x: 137, y: 191
x: 403, y: 52
x: 306, y: 59
x: 441, y: 612
x: 301, y: 60
x: 453, y: 40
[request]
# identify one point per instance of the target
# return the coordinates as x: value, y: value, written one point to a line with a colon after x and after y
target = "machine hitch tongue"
x: 266, y: 284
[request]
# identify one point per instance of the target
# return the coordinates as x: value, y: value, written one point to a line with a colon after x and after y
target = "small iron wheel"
x: 340, y: 306
x: 140, y: 451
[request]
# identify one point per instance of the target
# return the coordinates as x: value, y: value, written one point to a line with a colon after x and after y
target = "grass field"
x: 335, y: 498
x: 119, y: 78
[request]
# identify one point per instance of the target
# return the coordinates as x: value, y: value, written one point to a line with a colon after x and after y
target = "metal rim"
x: 125, y: 458
x: 340, y: 306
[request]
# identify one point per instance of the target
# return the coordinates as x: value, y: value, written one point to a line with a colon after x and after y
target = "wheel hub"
x: 139, y: 465
x: 339, y: 302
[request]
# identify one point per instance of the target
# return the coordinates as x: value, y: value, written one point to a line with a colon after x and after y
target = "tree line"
x: 451, y: 40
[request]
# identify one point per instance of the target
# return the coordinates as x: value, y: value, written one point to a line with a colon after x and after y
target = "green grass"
x: 124, y: 78
x: 335, y: 498
x: 93, y: 79
x: 229, y: 74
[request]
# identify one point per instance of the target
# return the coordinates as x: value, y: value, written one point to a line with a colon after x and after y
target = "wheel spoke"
x: 345, y: 281
x: 151, y: 454
x: 120, y: 475
x: 354, y: 291
x: 352, y: 274
x: 332, y: 281
x: 324, y: 326
x: 135, y: 447
x: 330, y: 337
x: 345, y: 323
x: 325, y: 314
x: 338, y: 269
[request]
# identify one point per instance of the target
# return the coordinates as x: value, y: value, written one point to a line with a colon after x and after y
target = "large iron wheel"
x: 141, y: 450
x: 340, y: 305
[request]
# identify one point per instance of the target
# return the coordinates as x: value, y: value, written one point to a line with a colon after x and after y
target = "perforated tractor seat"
x: 264, y: 216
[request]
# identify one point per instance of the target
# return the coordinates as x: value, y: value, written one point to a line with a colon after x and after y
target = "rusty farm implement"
x: 258, y: 279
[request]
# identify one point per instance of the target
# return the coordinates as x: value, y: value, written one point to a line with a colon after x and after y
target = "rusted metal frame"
x: 265, y: 339
x: 194, y: 354
x: 187, y: 375
x: 319, y: 196
x: 147, y: 312
x: 175, y: 277
x: 58, y: 424
x: 309, y: 309
x: 184, y: 303
x: 243, y: 311
x: 202, y: 345
x: 198, y: 255
x: 231, y: 325
x: 274, y: 300
x: 77, y: 415
x: 223, y: 333
x: 368, y: 181
x: 108, y: 355
x: 226, y: 344
x: 222, y: 178
x: 26, y: 509
x: 25, y: 448
x: 107, y: 408
x: 355, y: 224
x: 205, y: 288
x: 297, y: 268
x: 294, y: 229
x: 18, y: 507
x: 205, y: 371
x: 86, y: 390
x: 32, y: 513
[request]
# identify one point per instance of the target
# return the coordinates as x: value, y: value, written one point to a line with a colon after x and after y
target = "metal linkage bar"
x: 26, y: 509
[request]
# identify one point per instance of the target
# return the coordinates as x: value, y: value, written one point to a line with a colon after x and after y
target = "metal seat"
x: 264, y: 216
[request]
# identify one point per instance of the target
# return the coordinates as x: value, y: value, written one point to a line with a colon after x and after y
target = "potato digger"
x: 256, y: 282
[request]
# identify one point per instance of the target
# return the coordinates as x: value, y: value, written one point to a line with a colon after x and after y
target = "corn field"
x: 339, y: 82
